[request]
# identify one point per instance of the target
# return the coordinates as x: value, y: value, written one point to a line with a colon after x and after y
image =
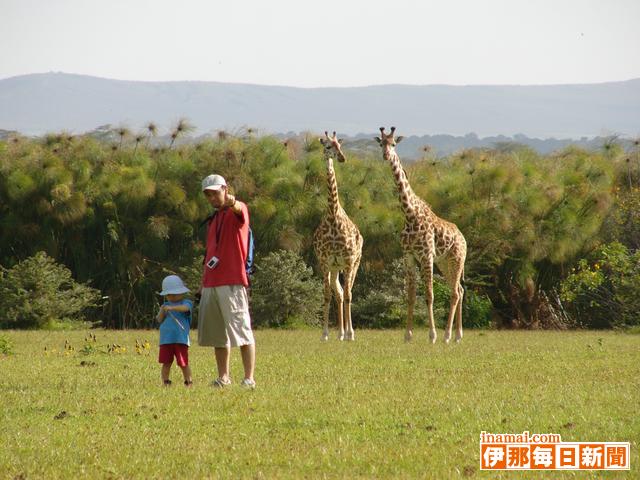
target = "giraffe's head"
x: 332, y: 147
x: 388, y: 142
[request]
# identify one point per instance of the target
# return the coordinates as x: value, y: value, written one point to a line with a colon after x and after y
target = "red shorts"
x: 178, y: 350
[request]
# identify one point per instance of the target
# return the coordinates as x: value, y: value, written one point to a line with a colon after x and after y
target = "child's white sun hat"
x: 173, y: 285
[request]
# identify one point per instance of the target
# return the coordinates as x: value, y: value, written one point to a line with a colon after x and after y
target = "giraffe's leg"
x: 459, y: 314
x: 410, y: 284
x: 327, y: 304
x: 337, y: 290
x: 455, y: 299
x: 349, y: 279
x: 427, y: 275
x: 459, y: 278
x: 453, y: 274
x: 347, y: 305
x: 446, y: 270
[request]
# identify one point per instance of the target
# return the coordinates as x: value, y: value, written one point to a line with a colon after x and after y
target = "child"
x: 175, y: 315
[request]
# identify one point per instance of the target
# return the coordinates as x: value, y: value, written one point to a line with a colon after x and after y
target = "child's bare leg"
x: 166, y: 369
x: 186, y: 373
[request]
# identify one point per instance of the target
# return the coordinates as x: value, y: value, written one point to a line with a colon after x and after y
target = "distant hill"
x: 40, y: 103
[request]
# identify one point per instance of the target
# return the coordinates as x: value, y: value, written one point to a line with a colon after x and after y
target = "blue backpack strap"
x: 250, y: 249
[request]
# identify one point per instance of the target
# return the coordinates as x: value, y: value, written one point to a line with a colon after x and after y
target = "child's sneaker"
x: 188, y: 383
x: 248, y: 383
x: 221, y: 383
x: 167, y: 383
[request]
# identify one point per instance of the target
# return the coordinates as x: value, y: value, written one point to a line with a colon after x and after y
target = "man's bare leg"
x: 248, y: 353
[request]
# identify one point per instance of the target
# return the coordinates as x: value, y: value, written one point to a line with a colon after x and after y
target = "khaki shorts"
x: 223, y: 318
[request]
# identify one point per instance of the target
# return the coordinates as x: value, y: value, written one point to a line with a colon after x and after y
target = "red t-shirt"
x: 227, y: 239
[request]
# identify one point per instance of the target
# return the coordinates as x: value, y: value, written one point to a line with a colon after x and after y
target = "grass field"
x: 373, y: 408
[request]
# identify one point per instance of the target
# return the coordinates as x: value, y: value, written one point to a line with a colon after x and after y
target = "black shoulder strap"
x: 209, y: 219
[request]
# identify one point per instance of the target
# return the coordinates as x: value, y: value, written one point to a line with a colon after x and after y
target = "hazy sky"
x: 325, y: 43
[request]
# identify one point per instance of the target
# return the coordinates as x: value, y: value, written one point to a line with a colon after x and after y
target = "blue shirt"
x: 170, y: 331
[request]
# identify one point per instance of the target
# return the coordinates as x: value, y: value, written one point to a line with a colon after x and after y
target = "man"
x: 224, y: 320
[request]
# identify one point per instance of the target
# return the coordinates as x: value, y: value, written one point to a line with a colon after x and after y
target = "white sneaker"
x: 248, y: 383
x: 220, y: 383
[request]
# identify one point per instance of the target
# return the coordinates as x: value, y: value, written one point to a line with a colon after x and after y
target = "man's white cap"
x: 213, y: 182
x: 173, y: 285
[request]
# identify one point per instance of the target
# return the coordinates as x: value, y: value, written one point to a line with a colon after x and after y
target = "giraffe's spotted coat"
x: 426, y: 240
x: 338, y: 246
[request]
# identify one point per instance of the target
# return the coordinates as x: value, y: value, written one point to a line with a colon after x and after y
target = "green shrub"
x: 604, y: 290
x: 284, y: 291
x: 38, y: 292
x: 378, y: 309
x: 380, y: 301
x: 476, y: 310
x: 6, y: 347
x: 379, y: 297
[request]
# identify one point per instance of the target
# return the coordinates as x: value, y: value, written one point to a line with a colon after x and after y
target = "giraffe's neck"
x: 406, y: 195
x: 332, y: 184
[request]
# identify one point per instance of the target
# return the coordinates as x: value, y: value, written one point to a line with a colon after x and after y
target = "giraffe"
x: 338, y: 246
x: 426, y: 239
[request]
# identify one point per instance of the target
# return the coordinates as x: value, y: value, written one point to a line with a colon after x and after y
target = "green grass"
x: 373, y: 408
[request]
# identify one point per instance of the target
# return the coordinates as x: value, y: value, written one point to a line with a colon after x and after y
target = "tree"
x: 182, y: 127
x: 152, y: 131
x: 39, y: 292
x: 526, y: 218
x: 122, y: 132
